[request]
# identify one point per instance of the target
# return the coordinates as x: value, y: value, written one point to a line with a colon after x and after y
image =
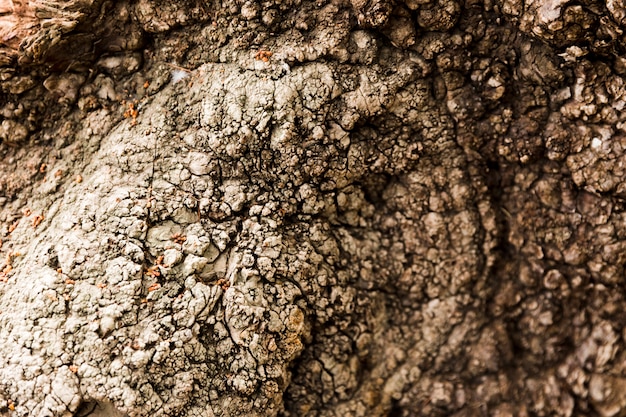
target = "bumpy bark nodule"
x: 312, y: 208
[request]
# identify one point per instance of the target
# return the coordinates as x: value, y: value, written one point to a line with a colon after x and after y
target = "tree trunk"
x: 312, y: 208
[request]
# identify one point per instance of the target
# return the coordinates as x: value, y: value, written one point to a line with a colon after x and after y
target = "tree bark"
x: 312, y: 208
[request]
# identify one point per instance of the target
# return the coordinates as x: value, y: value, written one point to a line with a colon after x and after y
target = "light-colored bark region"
x: 311, y: 209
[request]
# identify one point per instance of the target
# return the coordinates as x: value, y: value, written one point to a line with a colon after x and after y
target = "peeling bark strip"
x: 312, y: 208
x: 17, y: 21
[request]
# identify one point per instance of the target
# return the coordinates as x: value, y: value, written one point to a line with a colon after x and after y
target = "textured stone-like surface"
x: 312, y: 208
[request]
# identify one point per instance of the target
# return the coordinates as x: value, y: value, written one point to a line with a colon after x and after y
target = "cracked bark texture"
x: 312, y: 208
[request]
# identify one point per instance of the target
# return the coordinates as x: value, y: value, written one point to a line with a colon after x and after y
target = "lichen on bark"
x: 311, y: 208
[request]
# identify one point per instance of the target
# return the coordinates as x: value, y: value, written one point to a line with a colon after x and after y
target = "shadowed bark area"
x: 312, y: 208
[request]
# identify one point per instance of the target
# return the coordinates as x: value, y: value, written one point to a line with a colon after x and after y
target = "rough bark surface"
x: 312, y: 208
